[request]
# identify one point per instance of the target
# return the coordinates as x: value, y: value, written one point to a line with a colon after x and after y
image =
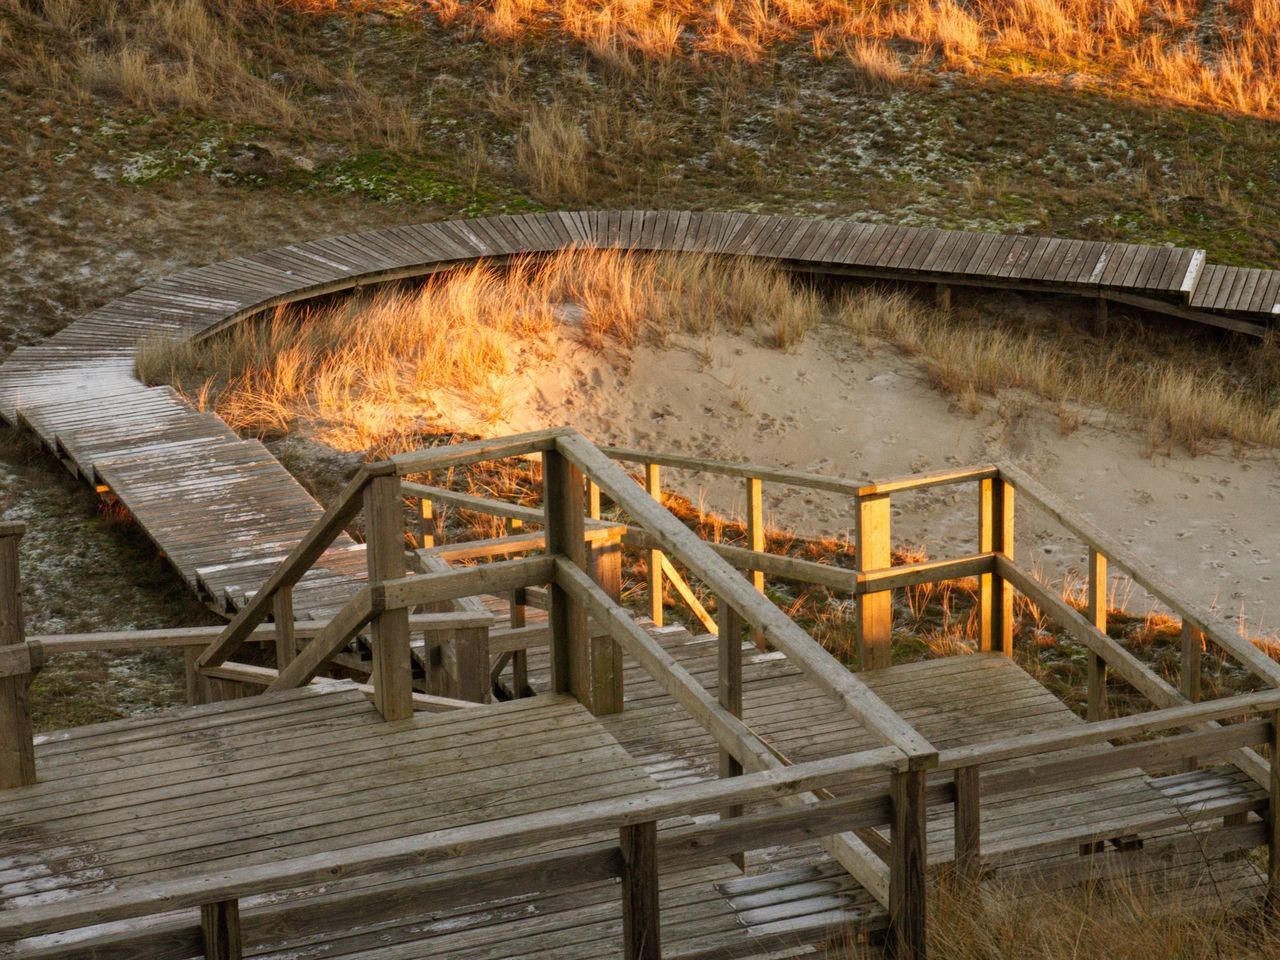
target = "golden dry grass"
x: 374, y: 370
x: 1185, y: 400
x: 1206, y: 53
x: 235, y: 59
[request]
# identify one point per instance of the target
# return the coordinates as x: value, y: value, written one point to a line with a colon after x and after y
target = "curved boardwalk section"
x: 225, y: 512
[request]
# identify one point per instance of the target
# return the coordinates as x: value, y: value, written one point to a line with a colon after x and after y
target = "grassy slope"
x: 107, y: 182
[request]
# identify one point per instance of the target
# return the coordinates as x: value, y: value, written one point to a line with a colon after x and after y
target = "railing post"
x: 471, y: 661
x: 641, y: 920
x: 755, y: 536
x: 968, y: 822
x: 282, y: 613
x: 17, y: 748
x: 593, y: 500
x: 1273, y: 820
x: 1097, y: 612
x: 653, y: 484
x: 220, y: 929
x: 1192, y: 647
x: 603, y: 653
x: 995, y: 533
x: 562, y: 497
x: 875, y: 608
x: 907, y: 863
x: 391, y: 676
x: 427, y: 530
x: 729, y: 692
x: 1189, y: 680
x: 517, y: 616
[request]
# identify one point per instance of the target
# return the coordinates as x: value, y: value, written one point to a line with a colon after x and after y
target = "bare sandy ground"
x: 1210, y: 523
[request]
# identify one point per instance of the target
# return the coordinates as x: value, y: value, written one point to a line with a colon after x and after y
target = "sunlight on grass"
x: 1224, y: 55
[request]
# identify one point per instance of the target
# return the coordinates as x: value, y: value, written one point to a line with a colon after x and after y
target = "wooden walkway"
x: 954, y: 702
x: 225, y: 512
x: 252, y: 781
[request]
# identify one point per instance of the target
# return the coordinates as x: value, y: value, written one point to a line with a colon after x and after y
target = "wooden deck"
x: 953, y: 702
x: 265, y: 779
x: 225, y: 512
x: 268, y: 778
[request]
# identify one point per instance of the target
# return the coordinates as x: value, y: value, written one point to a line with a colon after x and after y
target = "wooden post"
x: 653, y: 483
x: 1192, y: 646
x: 729, y: 693
x: 875, y: 609
x: 1273, y: 820
x: 1097, y: 612
x: 968, y: 825
x: 392, y: 675
x: 220, y: 927
x: 282, y: 613
x: 17, y: 748
x: 197, y: 683
x: 517, y: 615
x: 603, y: 653
x: 593, y: 500
x: 907, y: 863
x: 755, y: 536
x: 471, y: 664
x: 562, y: 496
x: 1189, y: 677
x: 942, y: 296
x: 995, y: 532
x: 427, y: 532
x: 641, y: 920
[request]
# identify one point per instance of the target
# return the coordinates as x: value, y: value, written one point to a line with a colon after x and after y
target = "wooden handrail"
x: 799, y: 478
x: 1126, y: 665
x: 1104, y: 731
x: 56, y: 644
x: 1246, y: 653
x: 494, y: 835
x: 733, y: 736
x: 451, y: 455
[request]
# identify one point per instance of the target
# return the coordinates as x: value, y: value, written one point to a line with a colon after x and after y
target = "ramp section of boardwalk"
x: 225, y: 512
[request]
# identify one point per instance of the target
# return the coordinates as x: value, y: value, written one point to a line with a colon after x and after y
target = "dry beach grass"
x: 371, y: 370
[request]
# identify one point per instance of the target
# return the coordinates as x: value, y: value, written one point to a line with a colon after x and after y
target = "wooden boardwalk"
x: 265, y: 779
x: 225, y: 512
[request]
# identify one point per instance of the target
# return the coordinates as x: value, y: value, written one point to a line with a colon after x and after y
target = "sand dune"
x: 1210, y: 523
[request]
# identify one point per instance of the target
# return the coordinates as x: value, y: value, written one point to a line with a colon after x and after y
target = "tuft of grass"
x: 1122, y: 919
x: 1187, y: 398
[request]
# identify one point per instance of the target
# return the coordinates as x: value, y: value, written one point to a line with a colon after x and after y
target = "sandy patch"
x: 1209, y: 523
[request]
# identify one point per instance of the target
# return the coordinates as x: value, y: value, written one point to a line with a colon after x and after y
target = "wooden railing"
x: 573, y: 558
x: 643, y: 851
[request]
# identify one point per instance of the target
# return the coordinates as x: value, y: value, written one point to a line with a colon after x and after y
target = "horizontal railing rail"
x: 504, y: 836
